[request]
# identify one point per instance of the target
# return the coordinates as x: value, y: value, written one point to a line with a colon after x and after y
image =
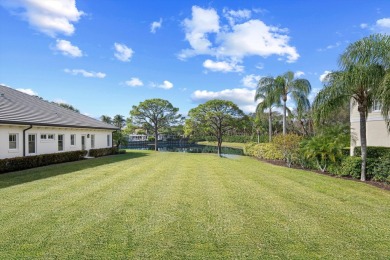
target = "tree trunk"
x: 270, y: 125
x: 155, y: 139
x: 219, y: 146
x: 363, y: 143
x: 284, y: 115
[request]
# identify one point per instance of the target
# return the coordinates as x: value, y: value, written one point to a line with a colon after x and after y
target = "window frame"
x: 16, y: 135
x: 73, y: 139
x: 62, y: 141
x: 93, y: 141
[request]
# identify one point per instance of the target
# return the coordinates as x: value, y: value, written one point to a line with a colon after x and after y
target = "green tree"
x: 106, y: 119
x: 298, y: 89
x: 289, y: 146
x: 361, y: 80
x: 216, y: 118
x: 119, y: 121
x: 155, y: 114
x: 269, y: 99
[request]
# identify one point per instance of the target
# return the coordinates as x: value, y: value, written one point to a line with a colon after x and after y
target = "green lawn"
x: 188, y: 206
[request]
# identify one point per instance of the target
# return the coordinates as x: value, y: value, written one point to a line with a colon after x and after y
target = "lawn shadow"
x: 39, y: 173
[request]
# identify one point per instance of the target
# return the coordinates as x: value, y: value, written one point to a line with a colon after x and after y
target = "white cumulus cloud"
x: 222, y: 66
x: 323, y: 75
x: 47, y: 16
x: 134, y: 82
x: 238, y: 39
x: 381, y: 26
x: 166, y: 85
x: 240, y: 96
x: 155, y: 25
x: 299, y: 73
x: 250, y: 81
x: 87, y: 74
x: 28, y: 91
x: 122, y: 52
x: 67, y: 49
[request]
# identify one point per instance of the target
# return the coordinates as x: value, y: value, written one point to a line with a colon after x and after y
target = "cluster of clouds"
x: 380, y: 26
x: 136, y: 82
x: 230, y: 42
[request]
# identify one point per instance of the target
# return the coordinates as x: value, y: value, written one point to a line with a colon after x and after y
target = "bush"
x: 267, y: 151
x: 288, y: 145
x: 381, y: 169
x: 103, y: 152
x: 351, y: 166
x: 22, y: 163
x: 373, y: 151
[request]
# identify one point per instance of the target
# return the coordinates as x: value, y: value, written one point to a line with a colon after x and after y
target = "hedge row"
x: 267, y: 151
x: 21, y: 163
x: 103, y: 152
x: 373, y: 151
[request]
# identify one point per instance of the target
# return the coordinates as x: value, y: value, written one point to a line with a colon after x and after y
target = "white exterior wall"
x: 51, y: 146
x: 376, y: 130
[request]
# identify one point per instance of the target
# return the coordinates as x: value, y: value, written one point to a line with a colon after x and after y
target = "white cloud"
x: 67, y: 49
x: 134, y: 82
x: 234, y: 16
x: 87, y: 74
x: 155, y: 25
x: 323, y: 75
x: 166, y: 85
x: 236, y: 40
x: 222, y: 66
x: 299, y: 73
x: 203, y: 22
x: 49, y: 17
x: 250, y: 81
x: 241, y: 96
x: 380, y: 26
x: 123, y: 53
x: 331, y: 46
x: 60, y: 101
x: 28, y: 91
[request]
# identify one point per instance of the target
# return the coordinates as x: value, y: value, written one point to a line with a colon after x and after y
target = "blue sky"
x: 105, y: 56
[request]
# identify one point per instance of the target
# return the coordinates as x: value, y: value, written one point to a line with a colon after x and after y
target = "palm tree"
x: 106, y: 119
x: 297, y: 89
x: 361, y: 80
x: 269, y: 99
x: 119, y: 121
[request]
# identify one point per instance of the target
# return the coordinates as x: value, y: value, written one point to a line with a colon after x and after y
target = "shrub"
x: 373, y: 151
x: 351, y: 166
x: 267, y: 151
x: 288, y: 145
x: 21, y: 163
x: 381, y: 169
x: 103, y: 152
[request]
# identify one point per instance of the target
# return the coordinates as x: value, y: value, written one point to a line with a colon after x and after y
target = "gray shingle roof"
x: 22, y: 109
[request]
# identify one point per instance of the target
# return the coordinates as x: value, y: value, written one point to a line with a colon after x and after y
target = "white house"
x: 32, y: 126
x: 376, y: 132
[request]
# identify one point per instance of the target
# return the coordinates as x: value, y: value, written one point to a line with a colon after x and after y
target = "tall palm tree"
x: 269, y: 99
x: 297, y: 89
x: 106, y: 119
x: 361, y: 81
x: 118, y: 121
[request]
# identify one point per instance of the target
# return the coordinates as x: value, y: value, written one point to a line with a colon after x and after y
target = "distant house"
x: 377, y: 133
x: 32, y: 126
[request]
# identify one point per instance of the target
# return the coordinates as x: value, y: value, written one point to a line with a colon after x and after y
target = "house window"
x: 47, y: 137
x: 92, y: 141
x: 376, y: 106
x: 13, y: 141
x: 73, y: 139
x: 108, y: 141
x: 32, y: 144
x: 60, y: 142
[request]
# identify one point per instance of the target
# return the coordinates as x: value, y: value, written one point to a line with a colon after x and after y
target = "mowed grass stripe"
x: 173, y: 205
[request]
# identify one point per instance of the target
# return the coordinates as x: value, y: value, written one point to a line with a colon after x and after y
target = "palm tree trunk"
x: 284, y: 116
x: 363, y: 144
x: 270, y: 125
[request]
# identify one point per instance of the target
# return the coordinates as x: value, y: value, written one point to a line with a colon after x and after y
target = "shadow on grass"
x: 30, y: 175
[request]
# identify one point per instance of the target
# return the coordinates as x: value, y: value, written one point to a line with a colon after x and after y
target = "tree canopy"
x: 155, y: 115
x: 215, y: 117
